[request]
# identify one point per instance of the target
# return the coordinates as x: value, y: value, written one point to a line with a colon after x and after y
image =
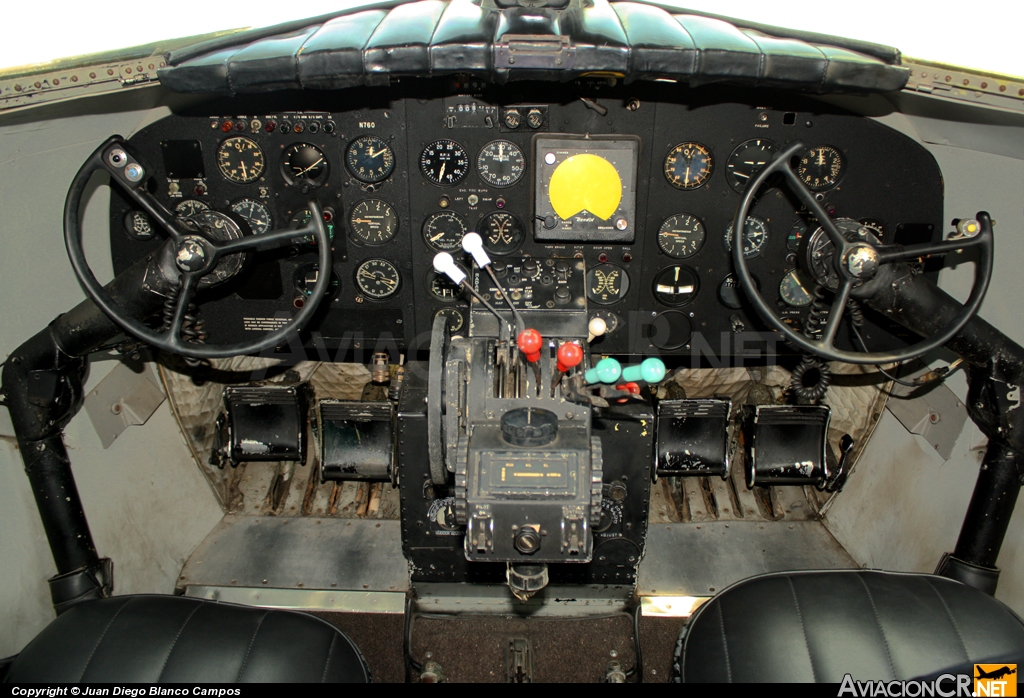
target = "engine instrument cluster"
x: 635, y: 198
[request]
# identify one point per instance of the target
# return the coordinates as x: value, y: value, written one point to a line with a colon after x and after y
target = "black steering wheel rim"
x: 171, y: 340
x: 888, y: 254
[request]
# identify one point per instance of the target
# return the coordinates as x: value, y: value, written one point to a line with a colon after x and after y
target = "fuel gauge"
x: 456, y: 320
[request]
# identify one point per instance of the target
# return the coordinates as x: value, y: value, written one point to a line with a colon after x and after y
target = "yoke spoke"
x: 189, y: 282
x: 835, y: 314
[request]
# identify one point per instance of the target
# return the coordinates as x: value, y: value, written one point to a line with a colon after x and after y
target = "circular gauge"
x: 378, y: 279
x: 730, y: 293
x: 303, y: 163
x: 456, y: 320
x: 820, y: 248
x: 676, y: 285
x: 747, y: 160
x: 755, y: 237
x: 611, y: 320
x: 370, y: 159
x: 444, y: 162
x: 820, y: 168
x: 444, y: 231
x: 502, y: 232
x: 688, y: 165
x: 373, y: 222
x: 607, y: 284
x: 444, y: 289
x: 255, y: 214
x: 240, y: 160
x: 793, y: 290
x: 501, y: 163
x: 306, y: 276
x: 138, y: 225
x: 875, y: 226
x: 681, y: 235
x: 190, y: 207
x: 301, y: 217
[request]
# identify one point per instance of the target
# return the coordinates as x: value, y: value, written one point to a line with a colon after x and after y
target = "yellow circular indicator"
x: 585, y: 182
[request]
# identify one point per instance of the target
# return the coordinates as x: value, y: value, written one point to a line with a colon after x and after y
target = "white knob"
x: 595, y: 328
x: 444, y: 264
x: 474, y: 244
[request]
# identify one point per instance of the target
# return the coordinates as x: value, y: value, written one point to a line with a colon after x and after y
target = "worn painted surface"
x: 903, y: 507
x: 147, y: 504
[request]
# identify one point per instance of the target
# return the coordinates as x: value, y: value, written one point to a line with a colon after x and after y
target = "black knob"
x: 527, y: 541
x: 529, y: 426
x: 530, y: 267
x: 562, y: 295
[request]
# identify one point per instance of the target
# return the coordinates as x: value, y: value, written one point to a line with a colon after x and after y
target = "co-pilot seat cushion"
x: 819, y: 626
x: 150, y: 639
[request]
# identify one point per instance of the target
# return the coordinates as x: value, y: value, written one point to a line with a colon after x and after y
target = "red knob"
x: 529, y: 342
x: 629, y: 388
x: 569, y: 355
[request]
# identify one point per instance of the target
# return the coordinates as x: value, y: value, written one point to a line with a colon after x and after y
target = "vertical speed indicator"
x: 681, y: 235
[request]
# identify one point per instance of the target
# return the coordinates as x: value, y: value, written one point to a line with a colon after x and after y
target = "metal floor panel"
x: 702, y: 559
x: 310, y: 562
x: 300, y: 553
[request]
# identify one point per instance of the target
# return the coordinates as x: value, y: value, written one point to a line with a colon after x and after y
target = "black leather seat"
x: 150, y: 639
x: 818, y: 626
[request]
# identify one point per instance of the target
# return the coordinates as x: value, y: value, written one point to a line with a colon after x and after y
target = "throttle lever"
x: 837, y: 481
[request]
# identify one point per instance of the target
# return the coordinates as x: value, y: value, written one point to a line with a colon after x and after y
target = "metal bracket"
x: 937, y: 415
x: 125, y: 397
x: 519, y: 660
x: 518, y: 51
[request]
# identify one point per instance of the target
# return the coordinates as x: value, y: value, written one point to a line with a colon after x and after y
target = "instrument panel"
x: 639, y: 183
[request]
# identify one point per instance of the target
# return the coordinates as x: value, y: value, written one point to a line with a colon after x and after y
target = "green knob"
x: 651, y: 370
x: 606, y: 371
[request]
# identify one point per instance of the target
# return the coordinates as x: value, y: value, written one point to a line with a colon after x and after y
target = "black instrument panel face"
x: 648, y: 195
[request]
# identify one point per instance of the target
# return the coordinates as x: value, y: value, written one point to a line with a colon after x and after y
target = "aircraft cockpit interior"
x: 512, y: 341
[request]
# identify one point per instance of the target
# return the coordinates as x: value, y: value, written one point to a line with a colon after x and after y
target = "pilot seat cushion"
x: 150, y: 639
x: 819, y: 626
